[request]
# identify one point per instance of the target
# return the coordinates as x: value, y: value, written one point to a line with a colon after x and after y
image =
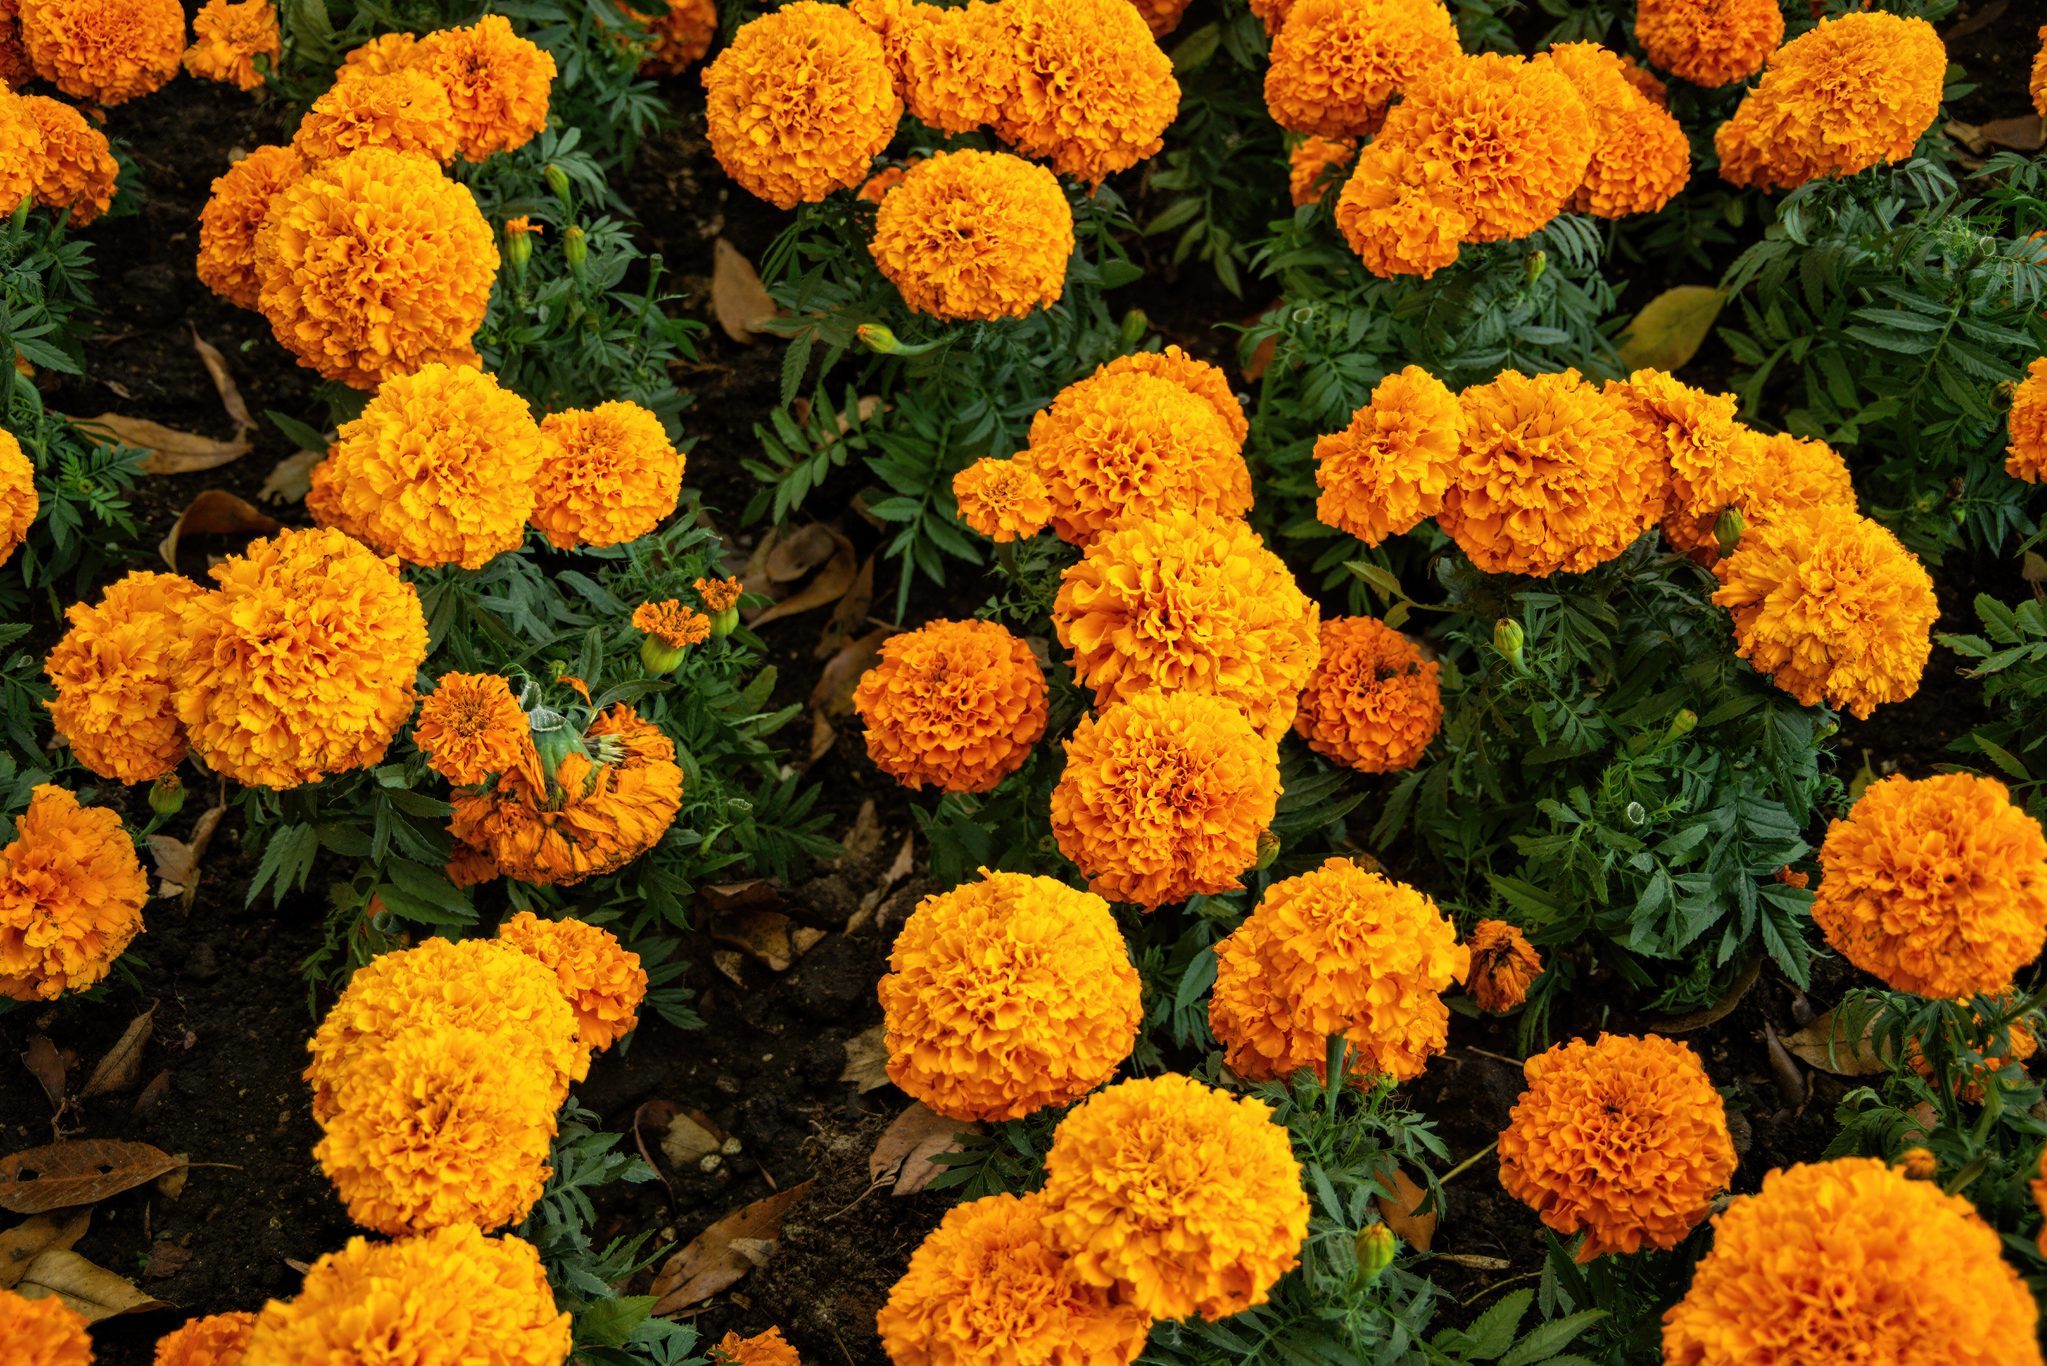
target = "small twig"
x: 1468, y: 1163
x: 1496, y: 1057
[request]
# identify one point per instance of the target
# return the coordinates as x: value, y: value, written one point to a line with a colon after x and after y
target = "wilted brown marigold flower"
x: 601, y: 978
x: 1712, y: 460
x: 1503, y: 966
x: 1336, y: 64
x: 21, y: 150
x: 679, y: 36
x: 1372, y: 703
x: 762, y: 1349
x: 1709, y: 42
x: 113, y: 672
x: 229, y: 35
x: 42, y: 1332
x: 1003, y: 500
x: 610, y: 475
x: 71, y: 894
x: 1388, y: 470
x: 2026, y: 456
x: 957, y: 704
x: 1090, y: 90
x: 106, y: 51
x: 216, y: 1340
x: 471, y: 728
x: 1641, y: 157
x: 233, y: 215
x: 78, y: 168
x: 1198, y: 377
x: 404, y: 110
x: 975, y: 235
x: 1624, y: 1139
x: 496, y: 82
x: 1315, y: 163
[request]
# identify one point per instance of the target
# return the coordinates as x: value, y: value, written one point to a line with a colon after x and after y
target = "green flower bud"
x: 1727, y: 529
x: 557, y: 180
x: 658, y: 659
x: 1537, y: 263
x: 167, y: 795
x: 575, y: 247
x: 1681, y: 724
x: 518, y: 248
x: 724, y: 623
x: 1377, y: 1246
x: 1135, y: 325
x: 1508, y: 639
x: 1268, y: 849
x: 878, y: 339
x: 555, y: 738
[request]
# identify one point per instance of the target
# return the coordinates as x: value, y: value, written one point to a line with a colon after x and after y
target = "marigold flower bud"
x: 167, y: 795
x: 1377, y: 1246
x: 1509, y: 639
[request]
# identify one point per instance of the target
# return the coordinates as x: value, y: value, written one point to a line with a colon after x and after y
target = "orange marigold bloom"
x: 106, y: 51
x: 2026, y: 457
x: 78, y: 168
x: 15, y: 67
x: 1007, y: 995
x: 679, y: 36
x: 1205, y: 381
x: 471, y: 728
x: 1709, y: 42
x: 957, y: 704
x: 404, y: 110
x: 1272, y: 13
x: 229, y: 35
x: 71, y: 894
x: 1793, y: 475
x: 301, y: 663
x: 1850, y: 1260
x: 112, y: 673
x: 1373, y: 702
x: 882, y: 181
x: 1503, y: 966
x: 42, y: 1332
x: 601, y: 978
x: 496, y: 82
x: 975, y: 235
x: 1645, y: 81
x: 1624, y: 1139
x: 1003, y: 500
x: 1178, y: 1198
x: 1395, y: 219
x: 673, y: 625
x: 1161, y: 16
x: 610, y: 475
x: 1089, y: 92
x: 988, y: 1284
x: 468, y: 866
x: 385, y: 52
x: 800, y: 103
x: 1641, y: 157
x: 952, y: 67
x: 18, y: 499
x: 719, y: 595
x: 1336, y: 64
x: 1388, y: 470
x: 1165, y: 795
x: 1857, y: 90
x: 1316, y: 163
x: 450, y: 1298
x: 1189, y: 602
x: 438, y: 469
x: 216, y: 1340
x: 1713, y: 461
x: 1831, y: 606
x: 21, y: 150
x: 1337, y: 950
x: 762, y: 1349
x: 235, y: 213
x: 1936, y: 886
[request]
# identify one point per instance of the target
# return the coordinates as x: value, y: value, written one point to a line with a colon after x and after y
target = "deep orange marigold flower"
x: 1831, y: 606
x: 762, y: 1349
x: 496, y: 82
x: 1337, y: 950
x: 1372, y: 702
x: 1271, y: 13
x: 2036, y: 83
x: 15, y: 67
x: 1336, y: 64
x: 950, y: 66
x: 450, y: 1298
x: 468, y: 866
x: 1003, y: 500
x: 1851, y: 1260
x: 1388, y: 470
x: 1316, y: 163
x: 1503, y: 966
x: 1161, y: 16
x: 385, y: 52
x: 1712, y: 460
x: 673, y: 625
x: 216, y: 1340
x: 471, y: 728
x: 882, y: 181
x: 610, y: 475
x: 78, y: 168
x: 1395, y: 219
x: 1205, y: 381
x: 601, y: 978
x: 113, y: 672
x: 438, y: 469
x: 106, y: 51
x: 1793, y: 475
x: 719, y: 595
x: 21, y: 150
x: 957, y: 704
x: 235, y: 213
x: 301, y: 663
x: 975, y: 235
x: 1178, y: 1198
x: 1641, y: 157
x: 1857, y: 90
x: 1625, y: 1140
x: 404, y: 110
x: 71, y: 894
x: 800, y: 103
x: 1936, y: 886
x: 229, y: 35
x: 1189, y: 602
x: 1007, y: 995
x: 18, y: 500
x: 2026, y: 456
x: 988, y: 1284
x: 1090, y: 91
x: 679, y: 36
x: 1709, y: 42
x: 1165, y: 796
x: 42, y: 1332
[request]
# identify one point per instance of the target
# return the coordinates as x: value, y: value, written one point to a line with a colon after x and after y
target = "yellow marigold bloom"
x: 235, y: 213
x: 1624, y: 1139
x: 601, y: 978
x: 1189, y: 602
x: 1713, y: 462
x: 112, y: 673
x: 609, y: 475
x: 1198, y: 377
x: 1373, y: 703
x: 1007, y: 995
x: 956, y: 704
x: 1316, y: 163
x: 1857, y: 90
x: 1794, y: 475
x: 301, y: 663
x: 1337, y: 64
x: 1003, y: 500
x: 496, y: 82
x: 71, y: 894
x: 216, y: 1340
x: 471, y: 728
x: 21, y: 150
x: 1178, y: 1198
x: 1850, y: 1260
x: 385, y: 52
x: 229, y: 35
x: 719, y: 595
x: 2026, y: 456
x: 78, y: 168
x: 18, y: 499
x: 1641, y: 157
x: 438, y: 469
x: 42, y: 1332
x: 450, y: 1298
x: 1386, y: 473
x: 975, y: 235
x: 15, y: 67
x: 989, y: 1285
x: 950, y: 66
x: 1503, y: 966
x: 679, y: 36
x: 1120, y: 446
x: 404, y: 110
x: 361, y: 317
x: 672, y: 624
x: 106, y: 51
x: 1936, y: 886
x: 1091, y: 92
x: 1831, y: 606
x: 1709, y: 42
x: 800, y: 103
x: 762, y: 1349
x: 1337, y: 950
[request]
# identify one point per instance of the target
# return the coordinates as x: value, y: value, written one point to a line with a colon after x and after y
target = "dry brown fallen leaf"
x: 215, y: 512
x: 833, y: 693
x: 739, y: 301
x: 761, y: 935
x: 121, y: 1068
x: 866, y: 1060
x: 830, y: 584
x: 90, y: 1291
x: 177, y: 861
x: 291, y: 479
x: 823, y: 735
x: 849, y: 615
x: 719, y: 1256
x: 32, y: 1237
x: 862, y: 839
x: 740, y: 896
x: 1825, y: 1044
x: 903, y: 1155
x: 81, y: 1172
x: 168, y: 450
x: 2020, y: 134
x: 46, y: 1064
x: 223, y: 384
x: 1417, y: 1230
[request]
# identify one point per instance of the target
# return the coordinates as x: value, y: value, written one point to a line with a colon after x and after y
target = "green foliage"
x: 2011, y: 659
x: 46, y: 279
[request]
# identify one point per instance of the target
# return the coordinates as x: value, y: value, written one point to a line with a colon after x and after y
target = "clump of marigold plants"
x: 2026, y: 456
x: 401, y: 111
x: 42, y: 1332
x: 1503, y: 966
x: 1373, y: 702
x: 496, y: 81
x: 601, y: 978
x: 106, y: 51
x: 228, y: 37
x: 1003, y: 500
x: 1337, y: 64
x: 1641, y: 157
x: 956, y: 704
x: 609, y: 475
x: 113, y: 672
x: 77, y: 169
x: 233, y: 216
x: 1387, y: 471
x: 71, y: 894
x: 1709, y: 42
x: 975, y: 235
x: 216, y: 1340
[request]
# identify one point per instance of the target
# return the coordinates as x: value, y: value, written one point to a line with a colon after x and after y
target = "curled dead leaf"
x: 1827, y: 1045
x: 82, y: 1172
x: 739, y: 301
x: 216, y: 512
x: 121, y: 1068
x: 866, y: 1060
x: 177, y: 861
x: 833, y: 693
x: 166, y: 449
x: 905, y: 1155
x: 1404, y: 1214
x: 761, y: 935
x: 718, y: 1257
x: 45, y: 1062
x: 88, y: 1290
x: 31, y: 1238
x: 223, y: 384
x: 291, y: 479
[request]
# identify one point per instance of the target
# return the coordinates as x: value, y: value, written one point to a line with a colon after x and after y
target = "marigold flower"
x: 496, y: 82
x: 719, y: 595
x: 1624, y: 1139
x: 468, y: 866
x: 21, y: 150
x: 471, y: 728
x: 112, y: 673
x: 957, y: 704
x: 1007, y: 995
x: 18, y: 500
x: 988, y: 1284
x: 1272, y: 13
x: 1161, y: 16
x: 1712, y: 460
x: 404, y: 110
x: 1178, y: 1198
x: 229, y: 35
x: 450, y: 1298
x: 975, y: 235
x: 1316, y: 163
x: 610, y: 475
x: 1189, y: 602
x: 1641, y: 158
x: 235, y: 213
x: 951, y: 67
x: 1503, y: 966
x: 601, y: 978
x: 1709, y: 42
x: 1388, y: 470
x: 1793, y: 475
x: 1846, y: 1260
x: 1090, y: 91
x: 800, y: 103
x: 2026, y: 457
x: 106, y: 51
x: 1372, y: 702
x: 2036, y: 84
x: 216, y: 1340
x: 1003, y: 500
x: 1831, y: 606
x: 1336, y: 64
x: 762, y: 1349
x: 1395, y: 219
x: 1854, y: 91
x: 71, y: 894
x: 42, y: 1332
x: 1337, y: 950
x: 363, y: 316
x: 15, y: 67
x: 679, y: 36
x: 78, y: 168
x: 1198, y: 377
x: 877, y: 186
x: 385, y: 52
x: 438, y: 469
x: 672, y: 625
x: 1936, y: 886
